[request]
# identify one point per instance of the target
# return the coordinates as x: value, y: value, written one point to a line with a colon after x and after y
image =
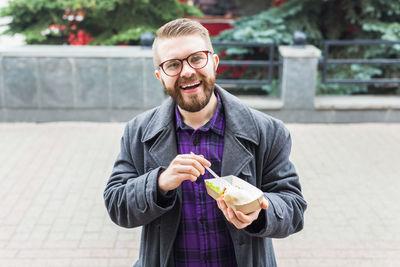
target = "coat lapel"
x: 160, y: 132
x: 235, y: 158
x: 162, y: 128
x: 240, y: 125
x: 164, y: 149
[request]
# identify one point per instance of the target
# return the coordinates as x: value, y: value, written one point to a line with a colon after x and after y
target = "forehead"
x: 180, y: 47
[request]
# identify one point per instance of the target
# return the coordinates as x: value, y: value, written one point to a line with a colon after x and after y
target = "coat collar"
x: 239, y: 119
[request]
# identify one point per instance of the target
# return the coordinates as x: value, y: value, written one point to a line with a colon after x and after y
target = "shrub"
x: 97, y: 22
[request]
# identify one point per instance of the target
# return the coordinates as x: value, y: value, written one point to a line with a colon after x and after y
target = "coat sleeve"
x: 281, y: 185
x: 133, y: 199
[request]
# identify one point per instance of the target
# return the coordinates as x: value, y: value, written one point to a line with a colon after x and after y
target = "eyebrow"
x: 186, y: 56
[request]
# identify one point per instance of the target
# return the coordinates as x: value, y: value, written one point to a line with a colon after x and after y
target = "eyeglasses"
x: 197, y: 60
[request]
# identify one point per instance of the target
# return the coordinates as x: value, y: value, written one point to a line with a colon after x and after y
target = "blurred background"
x: 73, y: 72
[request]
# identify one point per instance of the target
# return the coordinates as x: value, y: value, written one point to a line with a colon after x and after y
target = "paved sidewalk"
x: 52, y: 178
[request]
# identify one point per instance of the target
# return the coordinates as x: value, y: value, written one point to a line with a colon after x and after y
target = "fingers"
x: 188, y: 165
x: 182, y: 167
x: 265, y: 204
x: 221, y: 205
x: 230, y: 215
x: 186, y: 169
x: 237, y: 218
x: 243, y: 218
x: 200, y: 158
x: 186, y: 176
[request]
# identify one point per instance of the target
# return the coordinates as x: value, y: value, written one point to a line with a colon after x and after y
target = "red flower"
x: 81, y: 38
x: 277, y: 3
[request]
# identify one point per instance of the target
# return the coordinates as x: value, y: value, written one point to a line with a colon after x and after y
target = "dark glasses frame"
x: 185, y: 59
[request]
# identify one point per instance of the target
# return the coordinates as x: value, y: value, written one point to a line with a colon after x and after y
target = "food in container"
x: 237, y: 193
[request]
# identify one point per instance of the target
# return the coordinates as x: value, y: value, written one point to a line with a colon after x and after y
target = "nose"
x: 187, y: 71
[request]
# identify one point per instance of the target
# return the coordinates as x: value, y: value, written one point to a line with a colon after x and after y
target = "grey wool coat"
x: 256, y: 149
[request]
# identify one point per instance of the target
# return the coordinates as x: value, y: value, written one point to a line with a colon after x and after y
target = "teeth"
x: 190, y: 85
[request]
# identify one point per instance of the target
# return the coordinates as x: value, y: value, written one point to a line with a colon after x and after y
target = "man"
x: 158, y: 183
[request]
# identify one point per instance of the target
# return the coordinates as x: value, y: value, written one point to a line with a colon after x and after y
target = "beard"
x: 196, y: 102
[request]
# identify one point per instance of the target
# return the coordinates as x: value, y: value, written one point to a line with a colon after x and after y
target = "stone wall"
x: 47, y: 83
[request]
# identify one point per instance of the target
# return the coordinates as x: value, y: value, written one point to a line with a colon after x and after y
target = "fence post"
x: 299, y: 76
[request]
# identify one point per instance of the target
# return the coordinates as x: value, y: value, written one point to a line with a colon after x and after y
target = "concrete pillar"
x: 299, y: 76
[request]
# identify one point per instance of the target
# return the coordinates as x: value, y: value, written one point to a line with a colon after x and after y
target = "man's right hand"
x: 182, y: 167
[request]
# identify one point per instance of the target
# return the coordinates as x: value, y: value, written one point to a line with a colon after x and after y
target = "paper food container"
x: 218, y: 184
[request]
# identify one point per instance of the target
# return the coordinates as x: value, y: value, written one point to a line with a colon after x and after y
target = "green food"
x: 213, y: 187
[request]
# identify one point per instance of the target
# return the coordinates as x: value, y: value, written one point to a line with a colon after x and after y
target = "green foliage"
x: 328, y: 20
x: 108, y: 21
x: 355, y: 71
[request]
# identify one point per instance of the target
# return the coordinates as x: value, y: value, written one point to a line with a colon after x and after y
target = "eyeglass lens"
x: 174, y: 66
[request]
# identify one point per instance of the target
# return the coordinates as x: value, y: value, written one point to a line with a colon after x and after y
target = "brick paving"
x: 52, y: 178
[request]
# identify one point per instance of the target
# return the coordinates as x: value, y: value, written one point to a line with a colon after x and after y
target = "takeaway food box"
x: 238, y: 194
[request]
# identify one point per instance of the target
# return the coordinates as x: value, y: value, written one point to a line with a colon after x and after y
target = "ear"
x: 216, y: 60
x: 157, y: 73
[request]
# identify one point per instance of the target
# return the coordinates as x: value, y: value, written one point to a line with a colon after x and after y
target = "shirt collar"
x: 215, y: 124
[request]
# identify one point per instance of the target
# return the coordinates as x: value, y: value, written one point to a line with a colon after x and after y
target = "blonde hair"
x: 178, y: 28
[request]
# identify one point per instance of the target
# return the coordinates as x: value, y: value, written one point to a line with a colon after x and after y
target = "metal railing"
x: 326, y: 61
x: 268, y: 62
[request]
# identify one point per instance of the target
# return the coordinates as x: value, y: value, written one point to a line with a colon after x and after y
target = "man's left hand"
x: 238, y: 218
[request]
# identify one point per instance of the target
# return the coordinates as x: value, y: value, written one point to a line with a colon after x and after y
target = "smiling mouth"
x: 190, y: 86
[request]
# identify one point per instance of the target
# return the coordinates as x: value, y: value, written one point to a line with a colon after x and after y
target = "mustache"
x: 188, y: 80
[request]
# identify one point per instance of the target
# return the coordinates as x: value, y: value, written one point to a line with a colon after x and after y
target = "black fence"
x: 264, y: 62
x: 325, y: 62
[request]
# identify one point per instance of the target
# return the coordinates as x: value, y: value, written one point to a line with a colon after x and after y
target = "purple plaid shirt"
x: 203, y: 238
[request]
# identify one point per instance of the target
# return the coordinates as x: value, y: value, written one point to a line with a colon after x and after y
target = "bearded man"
x: 158, y: 178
